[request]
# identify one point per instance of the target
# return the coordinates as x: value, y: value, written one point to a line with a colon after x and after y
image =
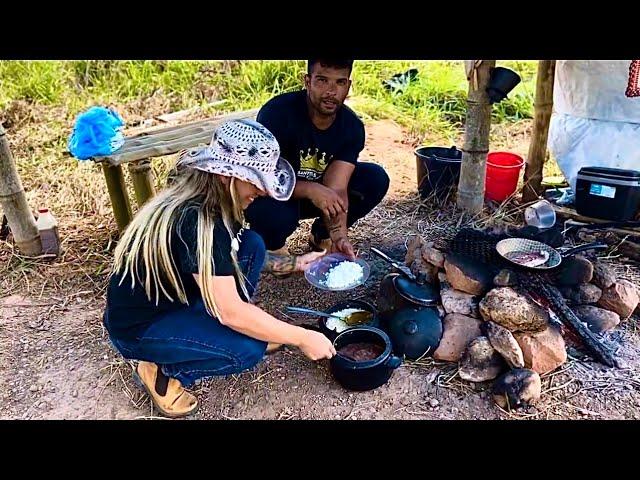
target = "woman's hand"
x: 316, y: 346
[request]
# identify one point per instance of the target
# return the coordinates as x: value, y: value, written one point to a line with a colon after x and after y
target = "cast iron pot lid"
x: 424, y: 294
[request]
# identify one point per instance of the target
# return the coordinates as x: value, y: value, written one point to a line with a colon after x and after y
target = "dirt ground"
x: 56, y: 361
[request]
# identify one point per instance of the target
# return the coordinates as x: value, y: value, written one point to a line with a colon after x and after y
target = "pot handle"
x: 582, y: 248
x: 393, y: 362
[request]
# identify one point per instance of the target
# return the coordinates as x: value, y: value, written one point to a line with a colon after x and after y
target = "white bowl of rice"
x: 335, y: 272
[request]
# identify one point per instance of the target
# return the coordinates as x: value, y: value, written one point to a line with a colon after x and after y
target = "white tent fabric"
x: 595, y: 120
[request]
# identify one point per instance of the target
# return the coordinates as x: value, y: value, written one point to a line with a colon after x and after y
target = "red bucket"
x: 503, y: 171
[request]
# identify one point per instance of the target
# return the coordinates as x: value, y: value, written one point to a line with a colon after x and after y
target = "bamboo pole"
x: 476, y: 142
x: 538, y: 146
x: 118, y: 195
x: 142, y: 178
x: 14, y: 203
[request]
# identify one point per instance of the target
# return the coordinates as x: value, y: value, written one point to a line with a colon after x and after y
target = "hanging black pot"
x: 502, y: 81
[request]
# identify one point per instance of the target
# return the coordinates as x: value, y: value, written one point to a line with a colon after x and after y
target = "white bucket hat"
x: 246, y: 150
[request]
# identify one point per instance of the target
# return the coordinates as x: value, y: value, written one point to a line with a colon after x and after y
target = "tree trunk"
x: 14, y: 203
x: 542, y: 116
x: 476, y: 142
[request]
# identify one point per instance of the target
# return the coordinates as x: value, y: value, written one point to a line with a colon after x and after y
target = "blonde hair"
x: 146, y: 242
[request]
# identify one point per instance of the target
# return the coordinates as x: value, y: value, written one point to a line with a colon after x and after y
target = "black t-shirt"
x: 308, y: 149
x: 129, y: 310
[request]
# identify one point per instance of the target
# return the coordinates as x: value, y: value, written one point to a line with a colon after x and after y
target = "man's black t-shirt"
x: 308, y: 149
x: 129, y: 311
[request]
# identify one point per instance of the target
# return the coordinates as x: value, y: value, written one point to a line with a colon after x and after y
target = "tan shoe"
x: 320, y: 245
x: 176, y: 402
x: 273, y: 348
x: 280, y: 251
x: 284, y: 251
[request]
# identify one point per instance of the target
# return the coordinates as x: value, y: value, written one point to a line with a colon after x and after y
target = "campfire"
x: 510, y: 325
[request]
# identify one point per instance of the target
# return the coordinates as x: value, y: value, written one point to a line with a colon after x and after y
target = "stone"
x: 468, y: 275
x: 480, y: 362
x: 434, y: 403
x: 456, y: 301
x: 414, y: 249
x: 574, y: 271
x: 585, y: 293
x: 458, y: 332
x: 421, y: 267
x: 517, y: 388
x: 597, y: 319
x: 543, y: 351
x: 433, y: 256
x: 505, y: 344
x: 603, y: 275
x: 621, y: 297
x: 505, y: 278
x: 514, y: 311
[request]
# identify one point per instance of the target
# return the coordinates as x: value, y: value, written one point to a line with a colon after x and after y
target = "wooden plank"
x: 175, y: 116
x: 169, y: 140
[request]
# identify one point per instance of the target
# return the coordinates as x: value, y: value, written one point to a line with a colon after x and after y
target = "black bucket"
x: 438, y: 169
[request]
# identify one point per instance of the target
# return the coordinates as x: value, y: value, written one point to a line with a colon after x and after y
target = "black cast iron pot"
x: 363, y: 375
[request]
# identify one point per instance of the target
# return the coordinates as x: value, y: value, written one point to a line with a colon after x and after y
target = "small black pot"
x: 415, y: 332
x: 366, y: 375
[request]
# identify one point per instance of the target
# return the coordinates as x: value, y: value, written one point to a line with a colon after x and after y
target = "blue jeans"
x: 189, y: 344
x: 275, y: 221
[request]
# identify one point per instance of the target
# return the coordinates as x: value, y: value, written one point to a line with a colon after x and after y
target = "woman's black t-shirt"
x: 129, y: 312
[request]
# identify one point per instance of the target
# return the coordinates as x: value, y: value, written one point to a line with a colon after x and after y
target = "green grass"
x: 40, y: 100
x: 435, y: 103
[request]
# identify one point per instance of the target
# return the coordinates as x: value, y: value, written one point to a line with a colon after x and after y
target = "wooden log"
x: 142, y: 178
x: 118, y: 194
x: 565, y: 212
x: 476, y: 142
x: 599, y: 351
x: 538, y: 145
x: 14, y: 203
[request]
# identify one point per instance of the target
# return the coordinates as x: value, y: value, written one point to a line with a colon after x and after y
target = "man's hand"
x: 342, y: 245
x: 304, y: 261
x: 327, y: 200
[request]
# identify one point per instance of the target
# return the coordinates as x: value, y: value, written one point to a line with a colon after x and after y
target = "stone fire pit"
x: 497, y: 332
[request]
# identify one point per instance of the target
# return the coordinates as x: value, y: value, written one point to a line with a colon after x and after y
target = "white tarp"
x: 594, y: 122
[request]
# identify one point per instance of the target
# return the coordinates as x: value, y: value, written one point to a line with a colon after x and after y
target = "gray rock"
x: 514, y: 311
x: 598, y: 319
x: 505, y: 344
x: 480, y: 362
x: 520, y: 387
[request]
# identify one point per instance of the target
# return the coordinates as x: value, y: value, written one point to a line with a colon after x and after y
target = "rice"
x: 337, y: 324
x: 344, y: 275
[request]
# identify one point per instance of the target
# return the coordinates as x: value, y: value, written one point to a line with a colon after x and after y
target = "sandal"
x: 176, y: 402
